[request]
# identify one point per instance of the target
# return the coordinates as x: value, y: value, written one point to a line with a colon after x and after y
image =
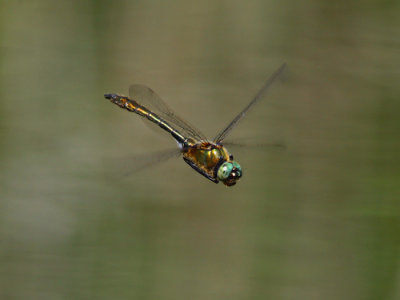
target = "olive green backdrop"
x: 318, y: 219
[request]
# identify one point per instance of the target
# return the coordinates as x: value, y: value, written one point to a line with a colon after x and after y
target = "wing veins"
x: 147, y: 97
x: 223, y: 134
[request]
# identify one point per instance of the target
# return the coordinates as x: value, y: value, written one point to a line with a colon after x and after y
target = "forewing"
x: 223, y: 134
x: 146, y: 97
x: 254, y: 145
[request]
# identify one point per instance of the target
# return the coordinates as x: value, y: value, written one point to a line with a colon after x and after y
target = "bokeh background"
x: 318, y: 219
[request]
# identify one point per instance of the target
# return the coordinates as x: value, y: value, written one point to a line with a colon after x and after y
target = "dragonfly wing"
x: 257, y: 98
x: 122, y: 167
x: 149, y: 99
x: 239, y: 144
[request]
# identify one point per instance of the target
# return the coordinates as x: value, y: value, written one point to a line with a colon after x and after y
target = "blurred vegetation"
x: 317, y: 220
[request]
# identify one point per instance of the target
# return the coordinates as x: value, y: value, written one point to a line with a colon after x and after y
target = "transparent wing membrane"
x: 122, y: 167
x: 146, y: 97
x: 240, y: 144
x: 223, y: 134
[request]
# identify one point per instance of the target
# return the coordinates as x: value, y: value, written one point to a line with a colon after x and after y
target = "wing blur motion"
x: 122, y: 167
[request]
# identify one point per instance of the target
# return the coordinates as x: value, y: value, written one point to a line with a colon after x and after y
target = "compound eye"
x: 224, y: 171
x: 237, y: 169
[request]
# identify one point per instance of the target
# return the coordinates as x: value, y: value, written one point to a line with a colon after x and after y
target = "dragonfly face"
x: 209, y: 158
x: 229, y: 173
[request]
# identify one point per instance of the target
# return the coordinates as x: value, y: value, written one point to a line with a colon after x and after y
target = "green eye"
x: 224, y: 171
x: 238, y: 169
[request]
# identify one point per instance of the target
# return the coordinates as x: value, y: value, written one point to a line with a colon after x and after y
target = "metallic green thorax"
x: 208, y: 158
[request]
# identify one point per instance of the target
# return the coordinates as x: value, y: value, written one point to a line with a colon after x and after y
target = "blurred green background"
x: 317, y: 220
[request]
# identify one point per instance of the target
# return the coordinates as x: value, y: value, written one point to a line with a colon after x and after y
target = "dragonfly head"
x: 229, y: 173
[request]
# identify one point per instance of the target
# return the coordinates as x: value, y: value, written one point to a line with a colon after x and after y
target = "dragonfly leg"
x: 202, y: 172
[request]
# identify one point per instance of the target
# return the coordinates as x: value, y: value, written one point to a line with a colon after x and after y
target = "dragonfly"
x: 210, y: 158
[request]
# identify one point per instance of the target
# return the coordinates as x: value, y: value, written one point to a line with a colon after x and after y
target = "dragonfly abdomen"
x: 133, y: 106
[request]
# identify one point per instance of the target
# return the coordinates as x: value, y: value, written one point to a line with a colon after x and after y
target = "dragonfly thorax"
x: 213, y: 161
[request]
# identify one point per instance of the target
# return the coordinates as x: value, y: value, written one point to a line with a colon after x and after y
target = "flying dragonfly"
x: 209, y: 158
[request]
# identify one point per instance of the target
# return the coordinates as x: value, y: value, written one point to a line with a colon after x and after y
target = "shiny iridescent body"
x: 211, y: 159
